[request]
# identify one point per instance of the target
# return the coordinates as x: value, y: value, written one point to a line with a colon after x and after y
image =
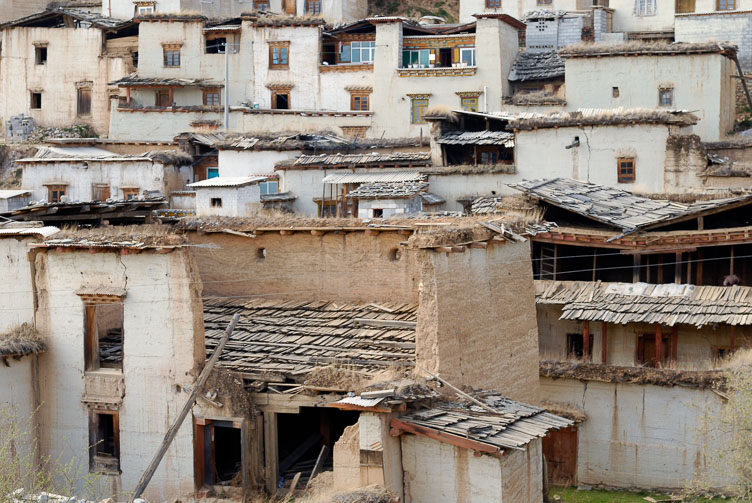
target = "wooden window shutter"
x: 83, y: 104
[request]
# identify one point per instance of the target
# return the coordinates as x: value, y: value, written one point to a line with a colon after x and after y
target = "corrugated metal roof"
x: 394, y: 176
x: 616, y: 207
x: 7, y: 194
x: 361, y: 402
x: 44, y: 232
x: 227, y: 181
x: 502, y: 138
x: 648, y: 303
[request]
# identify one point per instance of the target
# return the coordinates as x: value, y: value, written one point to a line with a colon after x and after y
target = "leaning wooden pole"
x: 173, y: 431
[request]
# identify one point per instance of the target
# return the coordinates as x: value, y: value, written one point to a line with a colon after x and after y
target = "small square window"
x: 726, y: 5
x: 626, y: 170
x: 666, y: 97
x: 280, y: 101
x: 40, y: 54
x: 55, y: 193
x: 418, y: 109
x: 469, y: 104
x: 171, y: 56
x: 378, y: 213
x: 216, y: 202
x: 279, y: 55
x: 215, y: 45
x: 212, y: 173
x: 313, y: 7
x: 261, y: 4
x: 129, y: 194
x: 212, y: 97
x: 615, y: 92
x: 269, y: 187
x: 575, y: 346
x: 36, y: 100
x: 359, y: 102
x: 493, y: 4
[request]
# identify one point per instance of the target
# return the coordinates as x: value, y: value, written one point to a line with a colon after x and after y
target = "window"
x: 103, y: 344
x: 359, y: 102
x: 55, y: 193
x: 489, y: 157
x: 215, y: 45
x: 685, y: 6
x: 83, y: 102
x: 279, y: 55
x: 469, y: 103
x: 280, y: 100
x: 100, y: 192
x: 493, y: 4
x: 626, y: 170
x: 646, y: 350
x: 211, y: 97
x: 145, y: 9
x: 467, y: 56
x: 36, y: 100
x: 261, y: 4
x: 40, y: 54
x: 130, y: 193
x: 212, y: 173
x: 575, y: 347
x: 666, y: 97
x: 644, y: 8
x: 269, y: 187
x: 162, y: 99
x: 171, y: 55
x: 377, y: 213
x: 104, y: 440
x: 326, y: 208
x: 419, y: 106
x: 313, y: 7
x: 416, y: 58
x: 362, y: 52
x: 216, y: 202
x: 615, y: 92
x: 725, y: 4
x: 544, y: 2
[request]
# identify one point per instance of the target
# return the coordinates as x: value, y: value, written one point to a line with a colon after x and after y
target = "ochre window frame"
x: 261, y: 4
x: 689, y: 9
x: 423, y: 106
x: 279, y: 46
x: 283, y: 92
x: 493, y: 4
x: 130, y: 191
x: 468, y: 107
x: 61, y: 191
x: 313, y: 7
x: 361, y: 97
x: 211, y: 91
x: 171, y: 48
x: 622, y: 177
x: 729, y: 5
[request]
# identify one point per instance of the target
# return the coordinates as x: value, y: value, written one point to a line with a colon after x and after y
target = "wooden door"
x: 646, y: 350
x: 560, y: 451
x: 290, y: 7
x: 100, y: 192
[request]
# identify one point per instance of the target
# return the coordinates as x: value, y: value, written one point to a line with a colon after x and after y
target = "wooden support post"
x: 170, y: 95
x: 270, y: 451
x: 556, y: 253
x: 128, y: 95
x: 698, y: 273
x: 173, y: 431
x: 731, y: 262
x: 732, y: 342
x: 637, y: 259
x: 674, y: 343
x: 658, y: 346
x: 595, y: 261
x: 604, y: 343
x: 660, y: 269
x: 678, y: 268
x: 586, y: 340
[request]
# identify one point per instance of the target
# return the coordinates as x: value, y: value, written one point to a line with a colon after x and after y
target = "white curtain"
x: 644, y: 7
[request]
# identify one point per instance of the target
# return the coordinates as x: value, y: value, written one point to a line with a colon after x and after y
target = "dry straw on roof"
x: 603, y: 117
x: 21, y: 340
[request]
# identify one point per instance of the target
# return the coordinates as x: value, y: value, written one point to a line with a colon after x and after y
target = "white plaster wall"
x: 306, y: 184
x: 16, y: 297
x: 252, y: 162
x: 639, y: 435
x: 16, y: 9
x: 333, y: 84
x: 80, y: 176
x: 699, y: 82
x: 435, y: 471
x: 523, y: 473
x: 73, y: 55
x: 730, y: 26
x: 542, y: 154
x: 297, y: 123
x: 159, y: 354
x: 183, y: 202
x: 625, y: 20
x: 515, y: 8
x: 236, y: 201
x: 160, y: 125
x: 455, y: 186
x: 390, y: 207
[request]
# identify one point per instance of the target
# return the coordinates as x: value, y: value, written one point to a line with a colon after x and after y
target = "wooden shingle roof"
x: 292, y: 337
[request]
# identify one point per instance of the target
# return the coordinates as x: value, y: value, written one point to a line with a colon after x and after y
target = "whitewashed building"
x: 228, y: 196
x: 12, y: 199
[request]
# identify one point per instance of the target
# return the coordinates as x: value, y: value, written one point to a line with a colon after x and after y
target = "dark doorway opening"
x: 219, y: 453
x: 282, y: 101
x: 445, y: 57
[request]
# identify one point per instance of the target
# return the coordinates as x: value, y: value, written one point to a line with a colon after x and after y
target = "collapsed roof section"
x: 620, y: 209
x: 288, y: 339
x: 371, y: 159
x: 62, y: 17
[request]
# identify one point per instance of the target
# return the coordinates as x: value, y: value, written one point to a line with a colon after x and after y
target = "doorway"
x: 218, y: 453
x: 646, y: 350
x: 560, y: 452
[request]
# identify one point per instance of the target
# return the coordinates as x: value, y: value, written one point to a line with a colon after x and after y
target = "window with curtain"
x: 645, y: 7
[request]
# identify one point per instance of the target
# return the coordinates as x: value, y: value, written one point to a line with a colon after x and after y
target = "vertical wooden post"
x: 698, y: 278
x: 556, y: 253
x: 595, y: 261
x: 731, y: 264
x: 270, y: 451
x: 128, y: 95
x: 678, y: 268
x: 637, y: 259
x: 659, y: 280
x: 674, y: 342
x: 169, y: 94
x: 604, y: 342
x: 732, y: 336
x: 658, y: 345
x: 586, y: 341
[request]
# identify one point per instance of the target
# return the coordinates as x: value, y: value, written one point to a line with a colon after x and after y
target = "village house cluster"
x: 252, y: 245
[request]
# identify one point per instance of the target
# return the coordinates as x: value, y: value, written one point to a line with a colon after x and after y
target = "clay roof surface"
x: 619, y: 208
x: 502, y: 138
x: 530, y: 65
x: 388, y: 190
x: 369, y: 159
x: 603, y: 117
x: 636, y: 48
x: 134, y: 80
x: 665, y: 304
x: 293, y: 337
x: 512, y: 426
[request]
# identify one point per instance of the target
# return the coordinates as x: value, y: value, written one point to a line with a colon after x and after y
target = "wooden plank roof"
x: 512, y: 426
x: 666, y: 304
x: 292, y: 337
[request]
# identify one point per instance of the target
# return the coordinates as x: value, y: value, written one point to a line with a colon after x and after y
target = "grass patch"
x: 572, y: 495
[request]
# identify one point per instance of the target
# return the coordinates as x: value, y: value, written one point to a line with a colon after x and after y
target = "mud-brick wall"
x: 350, y: 267
x: 477, y: 321
x: 640, y: 435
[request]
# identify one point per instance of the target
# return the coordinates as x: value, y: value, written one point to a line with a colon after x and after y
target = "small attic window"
x: 615, y: 92
x: 40, y: 54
